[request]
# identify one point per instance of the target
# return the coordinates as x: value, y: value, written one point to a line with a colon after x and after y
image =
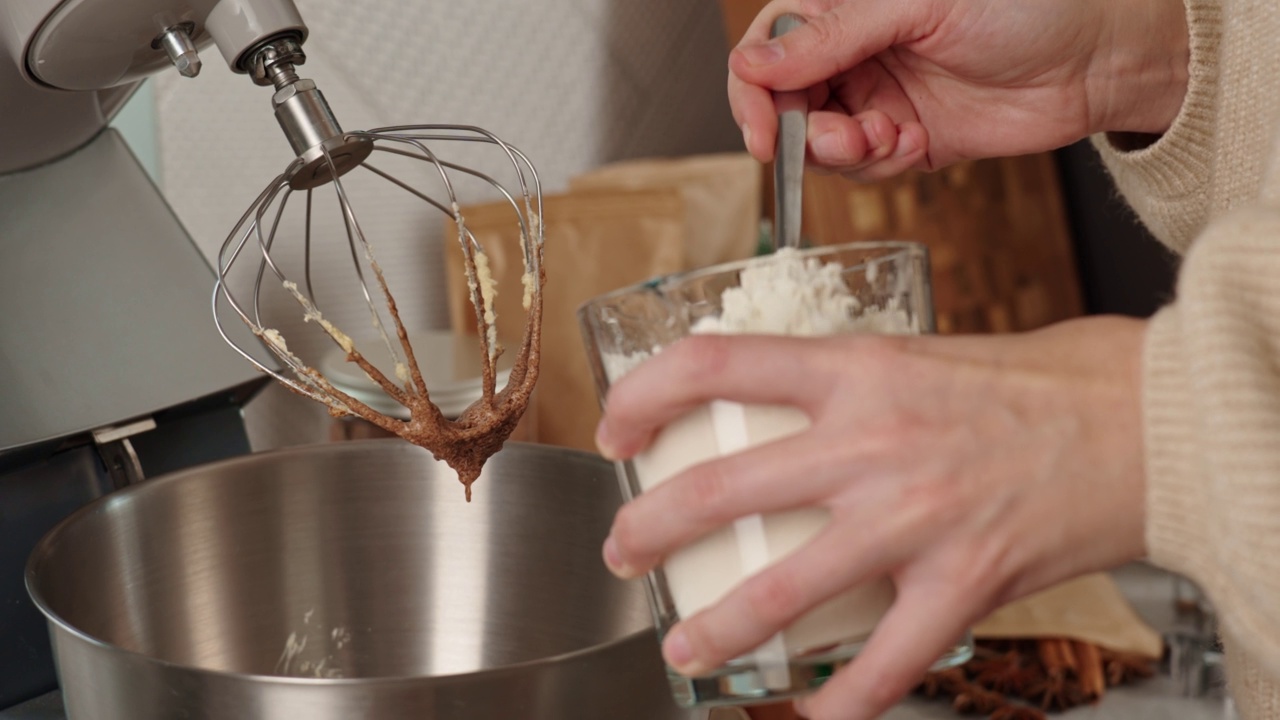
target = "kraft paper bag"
x: 596, y: 242
x: 1089, y: 609
x: 721, y: 195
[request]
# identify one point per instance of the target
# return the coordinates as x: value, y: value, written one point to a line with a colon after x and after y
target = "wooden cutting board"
x: 1000, y: 249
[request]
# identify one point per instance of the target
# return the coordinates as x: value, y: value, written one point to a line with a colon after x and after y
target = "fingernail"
x: 906, y: 145
x: 603, y: 442
x: 766, y: 53
x: 874, y: 141
x: 677, y: 651
x: 746, y: 136
x: 828, y: 146
x: 613, y: 559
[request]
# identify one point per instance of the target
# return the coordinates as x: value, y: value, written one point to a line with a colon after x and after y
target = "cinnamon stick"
x: 1093, y: 680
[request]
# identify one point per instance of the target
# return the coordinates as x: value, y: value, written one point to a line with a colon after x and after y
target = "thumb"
x: 831, y: 43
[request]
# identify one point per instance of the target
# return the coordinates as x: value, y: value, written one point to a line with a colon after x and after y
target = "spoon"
x: 788, y: 165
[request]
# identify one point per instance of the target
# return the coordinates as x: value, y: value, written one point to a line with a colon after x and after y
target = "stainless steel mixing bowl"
x: 192, y: 595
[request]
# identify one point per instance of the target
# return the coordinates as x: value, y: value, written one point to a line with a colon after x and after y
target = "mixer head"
x: 328, y: 160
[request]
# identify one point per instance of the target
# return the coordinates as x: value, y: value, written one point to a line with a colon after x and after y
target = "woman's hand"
x: 900, y: 84
x: 971, y: 470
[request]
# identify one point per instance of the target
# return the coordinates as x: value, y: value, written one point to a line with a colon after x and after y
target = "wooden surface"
x: 999, y: 245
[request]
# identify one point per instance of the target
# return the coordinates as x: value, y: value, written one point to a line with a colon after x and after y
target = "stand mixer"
x: 110, y: 370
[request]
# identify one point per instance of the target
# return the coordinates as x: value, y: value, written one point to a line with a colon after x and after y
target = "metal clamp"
x: 117, y: 451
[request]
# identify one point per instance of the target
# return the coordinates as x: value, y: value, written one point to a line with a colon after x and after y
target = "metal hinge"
x: 117, y: 451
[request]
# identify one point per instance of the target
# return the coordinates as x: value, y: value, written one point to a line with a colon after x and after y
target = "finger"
x: 792, y: 472
x: 920, y: 627
x: 756, y: 115
x: 768, y: 370
x: 911, y: 152
x: 753, y: 107
x: 830, y: 43
x: 845, y: 557
x: 842, y: 142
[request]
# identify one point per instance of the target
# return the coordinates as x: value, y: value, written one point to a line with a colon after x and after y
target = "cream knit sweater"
x: 1210, y: 189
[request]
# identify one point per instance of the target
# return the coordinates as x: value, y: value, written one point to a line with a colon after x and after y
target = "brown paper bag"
x: 721, y: 196
x: 1089, y: 609
x: 595, y: 242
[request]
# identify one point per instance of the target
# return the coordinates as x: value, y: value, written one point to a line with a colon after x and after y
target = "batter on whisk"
x: 325, y: 156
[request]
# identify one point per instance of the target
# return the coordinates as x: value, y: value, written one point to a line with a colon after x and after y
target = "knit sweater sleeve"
x: 1167, y: 182
x: 1212, y: 419
x: 1211, y: 380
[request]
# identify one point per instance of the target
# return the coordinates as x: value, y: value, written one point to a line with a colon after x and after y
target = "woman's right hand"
x: 897, y: 84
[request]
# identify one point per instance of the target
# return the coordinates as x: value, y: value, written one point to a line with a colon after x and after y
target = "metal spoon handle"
x: 788, y: 165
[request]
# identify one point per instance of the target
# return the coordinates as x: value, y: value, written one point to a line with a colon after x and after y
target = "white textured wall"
x: 573, y: 83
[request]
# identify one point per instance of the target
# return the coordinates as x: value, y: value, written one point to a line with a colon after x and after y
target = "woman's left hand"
x: 971, y: 470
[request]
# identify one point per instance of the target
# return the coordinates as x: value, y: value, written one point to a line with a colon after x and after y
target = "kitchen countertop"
x: 1149, y: 589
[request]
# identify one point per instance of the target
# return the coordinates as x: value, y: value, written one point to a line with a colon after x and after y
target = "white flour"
x: 788, y: 294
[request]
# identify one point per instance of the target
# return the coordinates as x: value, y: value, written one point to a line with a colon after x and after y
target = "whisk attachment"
x: 265, y: 239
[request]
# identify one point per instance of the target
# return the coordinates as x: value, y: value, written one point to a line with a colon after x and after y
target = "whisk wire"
x: 304, y: 382
x: 265, y: 244
x: 306, y: 250
x: 452, y: 166
x: 354, y: 235
x: 469, y: 133
x: 470, y: 249
x: 225, y: 262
